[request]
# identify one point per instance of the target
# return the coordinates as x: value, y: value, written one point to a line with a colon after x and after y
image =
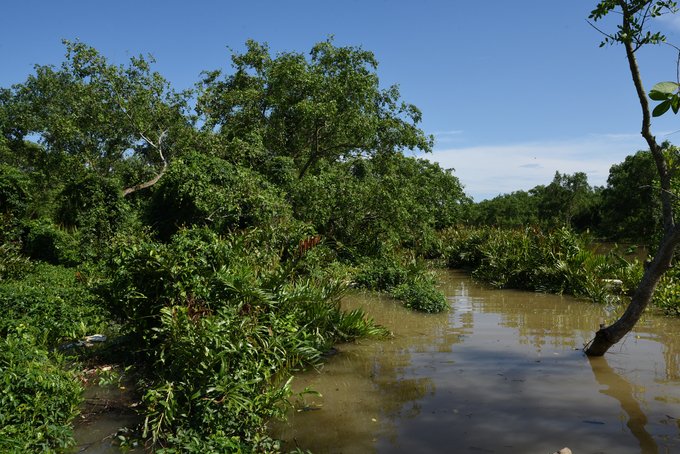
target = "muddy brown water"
x: 502, y: 372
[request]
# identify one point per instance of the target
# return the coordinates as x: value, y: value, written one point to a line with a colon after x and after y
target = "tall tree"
x: 633, y: 34
x: 630, y: 204
x: 328, y: 107
x: 99, y: 114
x: 566, y: 196
x: 513, y: 210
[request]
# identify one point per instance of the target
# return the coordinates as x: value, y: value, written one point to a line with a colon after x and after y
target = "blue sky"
x: 512, y: 91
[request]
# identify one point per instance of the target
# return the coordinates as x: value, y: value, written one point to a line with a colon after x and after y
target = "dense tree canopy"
x: 567, y: 201
x: 93, y: 116
x: 329, y: 107
x: 631, y: 207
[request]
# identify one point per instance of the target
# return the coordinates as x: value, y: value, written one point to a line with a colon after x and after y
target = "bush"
x: 200, y: 191
x: 38, y: 400
x: 13, y: 265
x: 224, y: 325
x: 52, y: 303
x: 46, y: 242
x: 15, y: 199
x: 381, y: 275
x: 406, y: 279
x: 421, y: 297
x: 534, y: 259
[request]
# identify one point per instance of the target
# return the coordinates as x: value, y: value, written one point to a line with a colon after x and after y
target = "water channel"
x: 502, y: 372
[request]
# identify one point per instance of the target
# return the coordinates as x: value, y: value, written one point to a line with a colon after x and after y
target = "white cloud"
x: 487, y: 171
x: 446, y: 133
x: 447, y: 136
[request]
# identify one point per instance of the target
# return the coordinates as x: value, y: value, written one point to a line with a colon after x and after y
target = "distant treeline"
x: 628, y: 208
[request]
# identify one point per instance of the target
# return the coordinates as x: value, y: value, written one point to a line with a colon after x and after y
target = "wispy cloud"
x: 446, y: 133
x: 487, y: 171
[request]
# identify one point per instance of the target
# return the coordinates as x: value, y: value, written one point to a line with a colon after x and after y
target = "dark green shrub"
x: 52, y: 303
x: 46, y: 242
x: 39, y: 397
x: 15, y: 192
x: 381, y: 275
x: 15, y: 199
x: 92, y: 204
x: 421, y: 296
x: 202, y: 191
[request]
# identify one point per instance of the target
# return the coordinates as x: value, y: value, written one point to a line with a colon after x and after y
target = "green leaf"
x: 658, y: 96
x: 661, y: 108
x: 665, y: 87
x: 675, y: 103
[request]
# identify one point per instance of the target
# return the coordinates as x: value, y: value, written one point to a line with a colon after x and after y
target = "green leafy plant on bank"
x: 405, y: 278
x: 531, y: 258
x: 53, y: 303
x: 39, y: 397
x: 224, y: 327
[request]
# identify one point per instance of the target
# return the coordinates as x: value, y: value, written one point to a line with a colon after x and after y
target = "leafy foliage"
x: 327, y: 108
x: 39, y: 397
x: 52, y: 303
x: 224, y: 330
x: 421, y: 297
x: 534, y: 259
x: 406, y: 279
x: 99, y: 114
x: 631, y: 207
x: 637, y: 12
x: 208, y: 191
x: 567, y: 201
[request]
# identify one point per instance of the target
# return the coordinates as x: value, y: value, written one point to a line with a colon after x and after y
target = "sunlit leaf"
x: 666, y: 87
x: 675, y: 103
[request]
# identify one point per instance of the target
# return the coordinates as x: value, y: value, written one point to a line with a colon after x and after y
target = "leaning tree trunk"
x: 654, y: 270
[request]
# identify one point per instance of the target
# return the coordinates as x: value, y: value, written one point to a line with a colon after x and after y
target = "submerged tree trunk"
x: 655, y: 269
x: 607, y: 335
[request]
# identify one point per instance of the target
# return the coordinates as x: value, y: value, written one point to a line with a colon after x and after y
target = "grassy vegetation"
x: 530, y: 258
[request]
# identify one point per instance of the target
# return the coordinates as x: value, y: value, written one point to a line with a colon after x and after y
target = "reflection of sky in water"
x: 502, y: 372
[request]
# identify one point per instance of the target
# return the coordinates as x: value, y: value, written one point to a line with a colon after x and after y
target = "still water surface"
x: 502, y: 372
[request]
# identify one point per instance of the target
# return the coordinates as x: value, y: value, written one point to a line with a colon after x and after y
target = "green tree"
x: 517, y: 209
x: 386, y: 201
x: 631, y: 206
x: 201, y: 190
x: 328, y: 107
x: 565, y: 197
x: 632, y: 33
x: 94, y: 115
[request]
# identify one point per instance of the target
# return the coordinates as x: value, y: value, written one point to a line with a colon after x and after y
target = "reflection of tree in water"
x: 548, y: 319
x: 383, y: 383
x: 622, y: 390
x: 540, y: 319
x: 663, y: 330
